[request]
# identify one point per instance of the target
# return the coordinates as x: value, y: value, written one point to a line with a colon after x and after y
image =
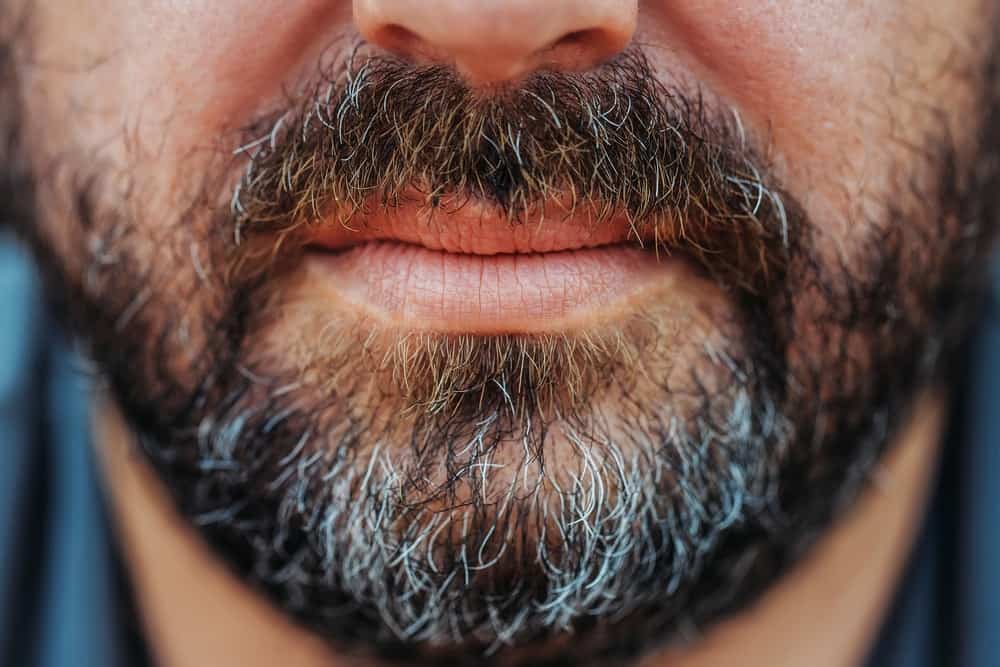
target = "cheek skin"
x: 172, y: 75
x: 766, y: 57
x: 836, y: 86
x: 228, y: 59
x: 785, y: 68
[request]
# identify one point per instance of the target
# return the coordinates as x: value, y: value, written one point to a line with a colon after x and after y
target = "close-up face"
x: 508, y: 332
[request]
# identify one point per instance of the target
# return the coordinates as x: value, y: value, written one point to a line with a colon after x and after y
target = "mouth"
x: 470, y: 272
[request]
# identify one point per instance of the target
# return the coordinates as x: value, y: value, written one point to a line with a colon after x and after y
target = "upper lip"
x: 472, y: 230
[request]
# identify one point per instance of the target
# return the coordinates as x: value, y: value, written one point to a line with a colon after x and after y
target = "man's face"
x: 457, y: 327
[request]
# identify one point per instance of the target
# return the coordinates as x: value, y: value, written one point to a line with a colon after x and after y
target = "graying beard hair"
x: 485, y: 572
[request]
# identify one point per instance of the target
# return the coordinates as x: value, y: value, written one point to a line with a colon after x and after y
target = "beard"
x: 468, y: 498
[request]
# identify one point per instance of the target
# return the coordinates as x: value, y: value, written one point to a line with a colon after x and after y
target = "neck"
x: 196, y: 613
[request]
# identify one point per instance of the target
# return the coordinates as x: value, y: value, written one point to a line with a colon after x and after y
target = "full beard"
x: 460, y: 498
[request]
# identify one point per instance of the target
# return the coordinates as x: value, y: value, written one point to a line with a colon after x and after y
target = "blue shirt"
x: 64, y: 600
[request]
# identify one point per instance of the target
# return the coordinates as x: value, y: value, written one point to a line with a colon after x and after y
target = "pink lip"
x: 471, y: 230
x: 465, y: 272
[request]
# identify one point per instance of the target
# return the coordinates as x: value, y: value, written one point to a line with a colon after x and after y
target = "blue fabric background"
x: 57, y: 590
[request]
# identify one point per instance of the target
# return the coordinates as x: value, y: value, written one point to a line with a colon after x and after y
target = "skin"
x: 839, y: 90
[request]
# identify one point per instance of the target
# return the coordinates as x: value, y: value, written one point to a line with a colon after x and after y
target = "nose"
x: 491, y: 41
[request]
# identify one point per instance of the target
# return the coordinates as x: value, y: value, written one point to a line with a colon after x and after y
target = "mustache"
x: 375, y: 133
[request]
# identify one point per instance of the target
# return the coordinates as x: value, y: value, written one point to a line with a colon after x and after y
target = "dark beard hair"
x: 702, y: 518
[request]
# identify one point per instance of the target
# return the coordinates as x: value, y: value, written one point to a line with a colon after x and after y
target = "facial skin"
x: 456, y: 327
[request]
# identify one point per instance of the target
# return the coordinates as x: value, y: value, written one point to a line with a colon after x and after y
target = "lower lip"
x: 415, y: 287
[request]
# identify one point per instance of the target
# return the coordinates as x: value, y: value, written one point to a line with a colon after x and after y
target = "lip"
x: 472, y: 230
x: 466, y: 272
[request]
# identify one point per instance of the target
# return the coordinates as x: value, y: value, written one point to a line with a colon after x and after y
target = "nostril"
x: 597, y: 43
x: 398, y: 39
x: 576, y: 37
x: 581, y: 49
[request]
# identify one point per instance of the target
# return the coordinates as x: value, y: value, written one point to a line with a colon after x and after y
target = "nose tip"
x: 490, y: 41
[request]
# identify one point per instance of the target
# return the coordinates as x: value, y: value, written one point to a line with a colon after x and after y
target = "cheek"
x: 778, y: 62
x: 842, y: 90
x: 795, y: 72
x: 172, y: 75
x: 220, y: 62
